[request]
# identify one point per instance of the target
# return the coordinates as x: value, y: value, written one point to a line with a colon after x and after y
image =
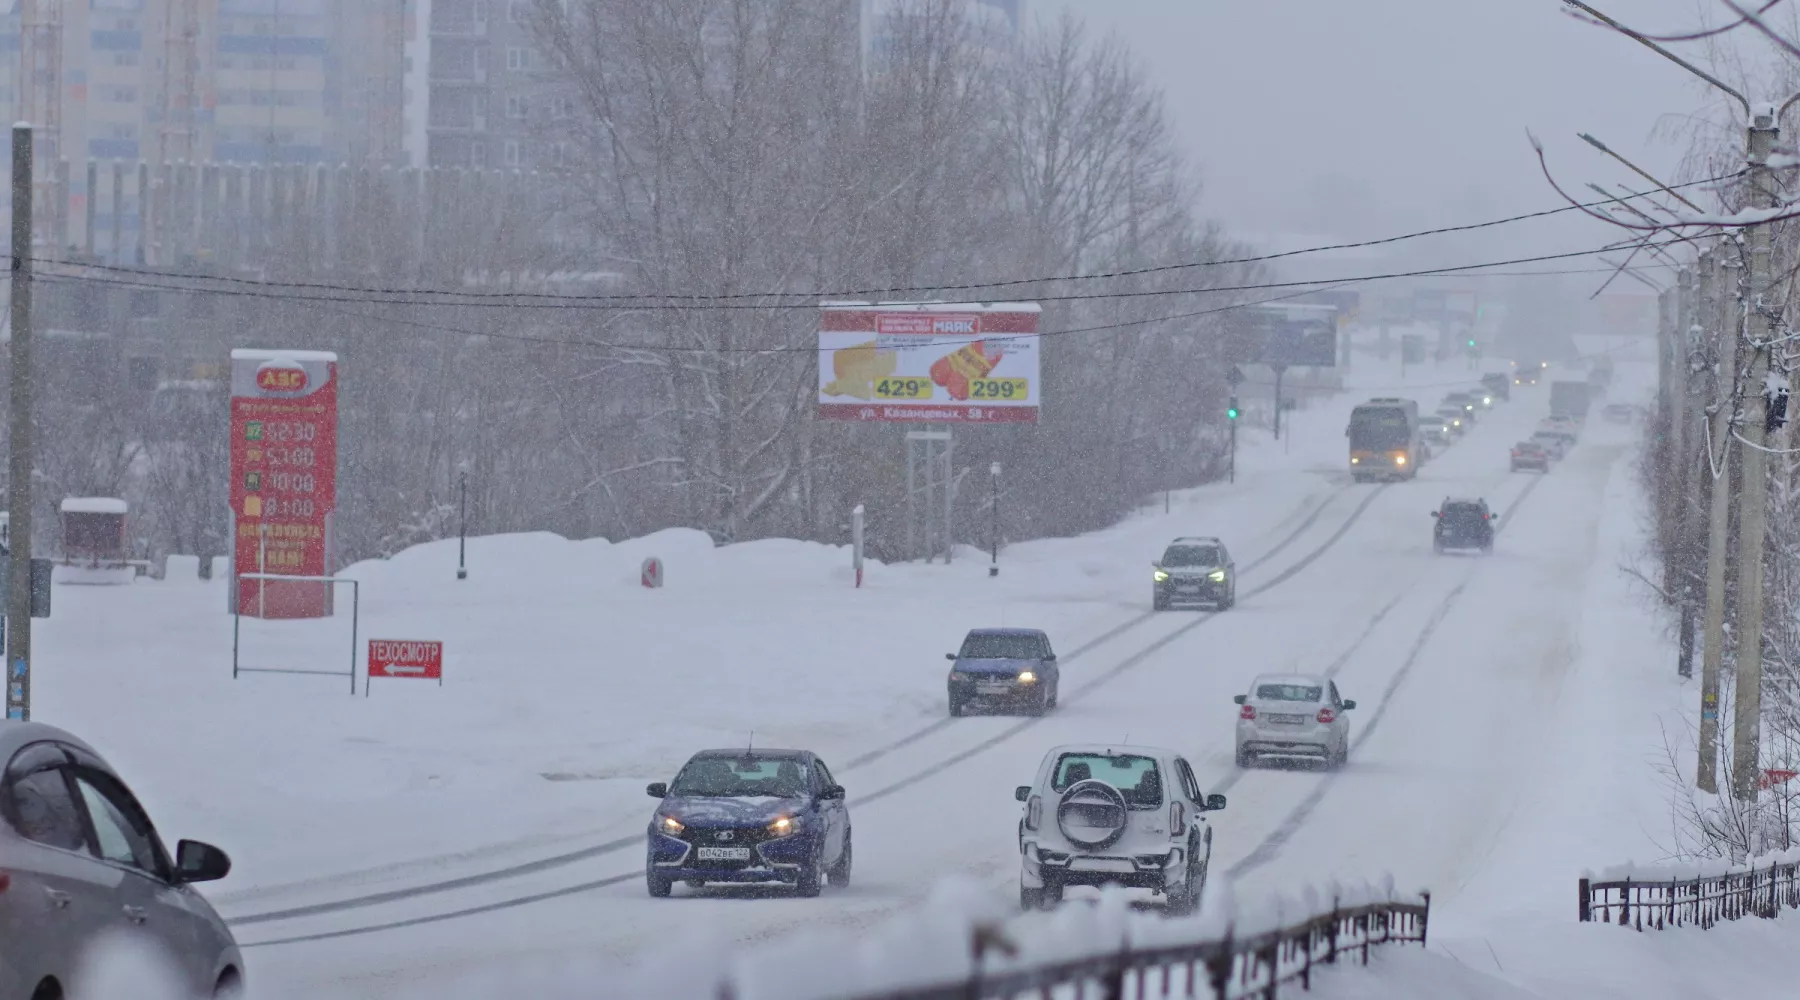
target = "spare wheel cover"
x: 1092, y: 814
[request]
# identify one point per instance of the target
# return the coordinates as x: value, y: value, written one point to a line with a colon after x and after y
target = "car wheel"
x: 1437, y: 545
x: 1244, y: 757
x: 229, y: 987
x: 1053, y: 693
x: 1184, y: 897
x: 812, y: 879
x: 1043, y: 702
x: 1040, y: 899
x: 658, y: 885
x: 840, y: 872
x: 1158, y: 603
x: 956, y: 707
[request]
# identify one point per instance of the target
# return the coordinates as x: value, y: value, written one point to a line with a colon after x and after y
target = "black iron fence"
x: 1700, y: 902
x: 1231, y: 968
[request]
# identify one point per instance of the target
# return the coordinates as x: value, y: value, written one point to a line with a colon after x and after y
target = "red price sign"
x: 283, y: 479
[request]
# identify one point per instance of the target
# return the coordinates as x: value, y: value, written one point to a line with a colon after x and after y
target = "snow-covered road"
x: 1457, y: 664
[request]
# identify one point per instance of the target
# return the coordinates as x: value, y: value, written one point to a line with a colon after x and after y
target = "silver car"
x: 80, y: 861
x: 1292, y: 715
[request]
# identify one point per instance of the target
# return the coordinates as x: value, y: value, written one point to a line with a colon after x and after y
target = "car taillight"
x: 1484, y: 517
x: 1327, y: 716
x: 5, y: 881
x: 1034, y: 812
x: 1247, y: 713
x: 1177, y: 819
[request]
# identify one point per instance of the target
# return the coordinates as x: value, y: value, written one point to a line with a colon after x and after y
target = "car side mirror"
x: 1237, y: 699
x: 1049, y: 657
x: 1214, y: 803
x: 658, y: 790
x: 1348, y: 705
x: 1436, y: 514
x: 198, y: 862
x: 950, y: 656
x: 1022, y: 793
x: 832, y: 793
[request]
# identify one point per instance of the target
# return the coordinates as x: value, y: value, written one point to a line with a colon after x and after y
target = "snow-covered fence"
x: 1223, y: 966
x: 1691, y: 896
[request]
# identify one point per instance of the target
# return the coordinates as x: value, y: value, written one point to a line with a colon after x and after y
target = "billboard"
x: 933, y: 362
x: 284, y: 424
x: 1288, y: 335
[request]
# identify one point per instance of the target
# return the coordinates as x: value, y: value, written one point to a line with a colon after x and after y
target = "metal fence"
x: 1701, y: 902
x: 1250, y: 968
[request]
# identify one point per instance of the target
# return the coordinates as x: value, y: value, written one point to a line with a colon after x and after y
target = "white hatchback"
x: 1129, y: 816
x: 1293, y: 715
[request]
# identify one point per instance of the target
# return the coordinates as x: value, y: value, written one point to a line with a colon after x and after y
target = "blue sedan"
x: 1004, y: 668
x: 748, y: 816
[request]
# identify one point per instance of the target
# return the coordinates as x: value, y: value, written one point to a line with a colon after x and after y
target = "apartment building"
x: 488, y: 101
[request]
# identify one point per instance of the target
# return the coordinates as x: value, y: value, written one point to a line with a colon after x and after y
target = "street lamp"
x: 462, y: 528
x: 994, y: 541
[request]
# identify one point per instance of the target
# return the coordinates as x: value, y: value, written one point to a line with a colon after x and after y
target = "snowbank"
x: 1679, y: 872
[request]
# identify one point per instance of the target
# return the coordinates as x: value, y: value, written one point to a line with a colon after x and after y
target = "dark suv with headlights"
x: 749, y: 816
x: 1194, y: 571
x: 1004, y: 668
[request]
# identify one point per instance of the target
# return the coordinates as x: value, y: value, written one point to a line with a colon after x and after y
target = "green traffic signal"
x: 1231, y: 412
x: 1471, y: 343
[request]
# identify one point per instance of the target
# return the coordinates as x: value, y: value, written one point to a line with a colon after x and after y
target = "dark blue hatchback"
x: 1007, y: 668
x: 746, y: 816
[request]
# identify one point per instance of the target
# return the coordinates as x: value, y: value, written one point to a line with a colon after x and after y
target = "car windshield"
x: 1136, y: 777
x: 1288, y: 692
x: 749, y: 776
x: 1191, y: 555
x: 995, y: 646
x: 1462, y: 511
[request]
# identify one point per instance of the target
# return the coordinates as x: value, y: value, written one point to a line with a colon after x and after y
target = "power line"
x: 585, y: 305
x: 465, y: 296
x: 319, y: 303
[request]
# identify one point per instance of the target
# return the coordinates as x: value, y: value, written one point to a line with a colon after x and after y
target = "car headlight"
x: 669, y: 824
x: 1355, y: 461
x: 1399, y: 459
x: 785, y: 826
x: 1160, y: 576
x: 1027, y: 677
x: 1216, y: 576
x: 1487, y: 401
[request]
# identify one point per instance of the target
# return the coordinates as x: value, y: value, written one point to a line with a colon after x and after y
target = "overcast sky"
x: 1352, y: 119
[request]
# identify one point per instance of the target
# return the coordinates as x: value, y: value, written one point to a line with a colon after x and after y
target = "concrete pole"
x: 1681, y: 482
x: 19, y: 460
x: 1764, y: 307
x: 1718, y: 468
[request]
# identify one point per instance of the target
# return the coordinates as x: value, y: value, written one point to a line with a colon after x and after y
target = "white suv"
x: 1127, y: 816
x: 1291, y: 715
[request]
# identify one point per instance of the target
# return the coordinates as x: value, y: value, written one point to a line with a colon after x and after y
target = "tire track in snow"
x: 1270, y: 847
x: 634, y: 840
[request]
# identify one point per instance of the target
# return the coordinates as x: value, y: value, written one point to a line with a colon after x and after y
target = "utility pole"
x: 19, y: 459
x: 462, y: 525
x: 1729, y: 324
x: 1762, y: 321
x: 1676, y: 478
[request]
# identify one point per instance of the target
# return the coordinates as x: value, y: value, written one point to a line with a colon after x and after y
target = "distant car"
x: 1195, y: 570
x: 1483, y: 397
x: 80, y: 861
x: 1114, y: 815
x: 1455, y: 419
x: 1292, y: 715
x: 1005, y: 668
x: 1526, y: 375
x: 1554, y: 442
x: 1468, y: 401
x: 1563, y: 427
x: 1499, y: 384
x: 1463, y: 523
x: 1530, y: 455
x: 740, y: 816
x: 1619, y: 413
x: 1435, y: 429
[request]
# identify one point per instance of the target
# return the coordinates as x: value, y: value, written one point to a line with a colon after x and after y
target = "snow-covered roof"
x: 93, y: 505
x: 263, y: 354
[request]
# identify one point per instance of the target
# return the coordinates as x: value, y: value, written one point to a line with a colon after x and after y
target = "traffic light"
x: 1231, y: 411
x: 1471, y: 341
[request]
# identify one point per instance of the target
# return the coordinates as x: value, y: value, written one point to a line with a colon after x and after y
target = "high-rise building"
x: 488, y: 99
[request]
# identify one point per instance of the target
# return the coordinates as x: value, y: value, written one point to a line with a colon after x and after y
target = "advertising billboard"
x: 284, y: 424
x: 1284, y: 336
x: 935, y: 362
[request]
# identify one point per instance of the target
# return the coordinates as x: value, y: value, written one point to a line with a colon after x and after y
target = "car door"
x: 833, y: 811
x: 59, y: 901
x: 1047, y: 667
x: 151, y: 901
x: 1340, y: 718
x: 1196, y: 804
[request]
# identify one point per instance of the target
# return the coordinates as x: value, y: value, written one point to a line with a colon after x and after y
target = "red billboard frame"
x: 284, y: 430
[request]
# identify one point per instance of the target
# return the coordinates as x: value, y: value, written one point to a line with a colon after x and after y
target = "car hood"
x: 999, y: 666
x: 1191, y: 570
x: 707, y: 811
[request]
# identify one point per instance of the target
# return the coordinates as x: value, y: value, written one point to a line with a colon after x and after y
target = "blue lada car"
x: 1006, y: 669
x: 746, y: 816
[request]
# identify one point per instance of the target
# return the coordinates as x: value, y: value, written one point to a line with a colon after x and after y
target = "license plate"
x: 993, y: 688
x: 1193, y: 588
x: 1287, y: 720
x: 723, y: 853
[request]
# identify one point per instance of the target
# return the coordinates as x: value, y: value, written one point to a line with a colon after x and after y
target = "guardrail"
x: 1250, y: 968
x: 1701, y: 900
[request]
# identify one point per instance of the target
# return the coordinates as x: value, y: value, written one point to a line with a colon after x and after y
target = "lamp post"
x: 994, y: 541
x: 462, y: 528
